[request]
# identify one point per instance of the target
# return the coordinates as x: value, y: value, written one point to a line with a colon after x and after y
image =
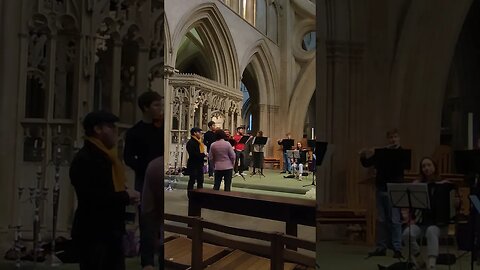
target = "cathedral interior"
x: 336, y: 71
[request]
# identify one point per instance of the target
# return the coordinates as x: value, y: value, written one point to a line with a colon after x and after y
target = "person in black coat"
x: 98, y: 177
x: 196, y: 156
x: 143, y: 143
x: 209, y: 138
x: 389, y: 227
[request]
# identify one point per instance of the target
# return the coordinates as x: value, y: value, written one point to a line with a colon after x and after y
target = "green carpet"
x: 273, y: 183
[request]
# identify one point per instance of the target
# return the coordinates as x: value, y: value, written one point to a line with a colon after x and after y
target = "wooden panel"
x: 244, y: 261
x: 290, y: 210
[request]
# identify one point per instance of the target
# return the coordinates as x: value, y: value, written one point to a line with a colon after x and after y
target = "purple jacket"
x: 221, y: 155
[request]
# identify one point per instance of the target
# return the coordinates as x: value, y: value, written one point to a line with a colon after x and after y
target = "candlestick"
x: 59, y: 129
x: 35, y: 144
x: 470, y: 131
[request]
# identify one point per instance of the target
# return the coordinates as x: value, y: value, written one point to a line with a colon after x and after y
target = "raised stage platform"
x: 273, y: 183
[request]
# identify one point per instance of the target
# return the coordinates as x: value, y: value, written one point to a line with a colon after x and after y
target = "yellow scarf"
x: 202, y: 146
x: 118, y: 171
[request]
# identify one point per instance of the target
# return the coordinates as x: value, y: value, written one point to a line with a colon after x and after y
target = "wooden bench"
x: 178, y: 253
x: 245, y: 261
x: 342, y: 216
x: 274, y: 162
x: 292, y: 211
x: 272, y: 256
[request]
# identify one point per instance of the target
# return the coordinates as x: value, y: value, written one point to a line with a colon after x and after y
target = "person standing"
x: 222, y: 157
x: 196, y: 156
x: 153, y: 208
x: 98, y: 177
x: 143, y: 143
x: 208, y: 139
x: 239, y: 152
x: 389, y: 226
x: 287, y: 165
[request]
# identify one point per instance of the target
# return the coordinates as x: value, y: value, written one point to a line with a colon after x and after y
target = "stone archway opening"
x: 460, y: 126
x: 251, y: 99
x: 193, y: 55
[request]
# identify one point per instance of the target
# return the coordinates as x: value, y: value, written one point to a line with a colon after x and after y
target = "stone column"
x: 142, y: 77
x: 14, y: 54
x: 250, y: 11
x: 116, y: 83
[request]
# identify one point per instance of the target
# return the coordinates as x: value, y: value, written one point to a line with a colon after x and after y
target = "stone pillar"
x: 250, y: 11
x: 142, y: 77
x: 14, y: 53
x: 116, y: 83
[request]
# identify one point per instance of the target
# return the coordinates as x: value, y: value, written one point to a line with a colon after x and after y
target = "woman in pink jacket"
x: 222, y: 157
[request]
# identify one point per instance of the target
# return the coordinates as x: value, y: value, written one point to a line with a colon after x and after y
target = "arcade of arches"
x: 379, y: 64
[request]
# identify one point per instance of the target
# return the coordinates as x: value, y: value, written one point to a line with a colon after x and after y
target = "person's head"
x: 220, y: 135
x: 211, y: 125
x: 227, y: 132
x: 240, y: 130
x: 428, y: 169
x: 260, y: 134
x: 196, y: 132
x: 151, y: 105
x: 289, y: 136
x: 393, y: 137
x: 299, y: 145
x: 101, y: 125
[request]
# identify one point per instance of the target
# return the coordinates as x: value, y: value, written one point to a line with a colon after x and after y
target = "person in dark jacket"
x: 196, y: 156
x: 143, y: 143
x: 98, y: 177
x: 208, y: 138
x: 389, y: 227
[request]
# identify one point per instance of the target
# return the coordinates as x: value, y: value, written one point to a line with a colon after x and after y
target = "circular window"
x: 309, y: 40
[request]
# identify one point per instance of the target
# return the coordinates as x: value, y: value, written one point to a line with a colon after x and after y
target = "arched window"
x: 261, y: 16
x: 272, y: 22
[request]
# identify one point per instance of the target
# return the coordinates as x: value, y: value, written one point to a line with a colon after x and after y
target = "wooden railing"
x: 275, y: 250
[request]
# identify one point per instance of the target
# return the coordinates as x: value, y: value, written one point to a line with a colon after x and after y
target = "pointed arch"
x: 302, y: 94
x: 263, y: 65
x: 213, y: 29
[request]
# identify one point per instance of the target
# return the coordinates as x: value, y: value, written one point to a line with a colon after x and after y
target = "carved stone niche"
x: 219, y: 118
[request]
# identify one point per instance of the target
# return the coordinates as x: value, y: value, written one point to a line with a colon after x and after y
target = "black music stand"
x: 320, y: 149
x: 411, y: 196
x: 467, y: 162
x: 393, y: 161
x: 244, y: 139
x: 288, y: 144
x: 260, y: 141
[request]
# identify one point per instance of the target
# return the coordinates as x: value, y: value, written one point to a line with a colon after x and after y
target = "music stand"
x: 288, y: 144
x: 320, y: 149
x: 393, y: 162
x: 244, y: 139
x: 411, y: 196
x: 467, y: 162
x: 260, y: 141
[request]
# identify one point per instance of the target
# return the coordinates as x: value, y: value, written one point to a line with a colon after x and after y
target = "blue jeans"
x: 287, y: 166
x: 389, y: 227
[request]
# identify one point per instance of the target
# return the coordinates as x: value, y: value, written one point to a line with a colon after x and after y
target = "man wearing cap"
x: 196, y: 155
x: 98, y: 177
